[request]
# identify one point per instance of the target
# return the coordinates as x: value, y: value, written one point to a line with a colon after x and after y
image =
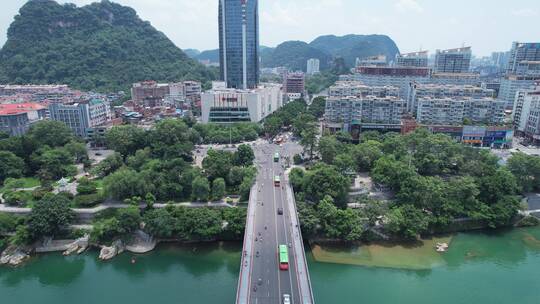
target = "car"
x: 286, y: 299
x: 280, y: 211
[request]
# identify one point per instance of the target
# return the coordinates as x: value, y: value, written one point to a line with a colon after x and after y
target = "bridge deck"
x: 272, y: 220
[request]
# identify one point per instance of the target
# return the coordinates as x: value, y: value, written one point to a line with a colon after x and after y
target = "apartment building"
x: 313, y: 66
x: 416, y: 59
x: 358, y: 89
x: 419, y: 90
x: 522, y: 52
x: 454, y: 111
x: 453, y: 60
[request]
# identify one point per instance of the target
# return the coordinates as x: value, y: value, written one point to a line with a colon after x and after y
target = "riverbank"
x: 422, y: 255
x: 414, y: 255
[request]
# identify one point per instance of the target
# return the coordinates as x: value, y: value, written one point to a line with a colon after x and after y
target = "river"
x: 480, y: 268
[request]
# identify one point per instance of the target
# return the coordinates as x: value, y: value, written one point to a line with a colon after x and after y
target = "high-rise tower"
x: 239, y: 43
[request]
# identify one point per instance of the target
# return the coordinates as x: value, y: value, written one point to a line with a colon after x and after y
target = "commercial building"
x: 225, y: 106
x: 416, y: 59
x: 15, y: 119
x: 454, y: 111
x: 239, y: 43
x: 80, y: 117
x: 453, y: 60
x: 478, y: 136
x: 519, y: 53
x: 419, y: 90
x: 294, y: 85
x: 313, y: 66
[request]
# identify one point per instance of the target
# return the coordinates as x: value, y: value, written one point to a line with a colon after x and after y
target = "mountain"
x: 102, y: 46
x: 294, y: 55
x: 192, y: 53
x: 350, y: 47
x: 211, y: 55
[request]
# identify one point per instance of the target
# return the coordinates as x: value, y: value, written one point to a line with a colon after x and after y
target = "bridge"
x: 272, y: 220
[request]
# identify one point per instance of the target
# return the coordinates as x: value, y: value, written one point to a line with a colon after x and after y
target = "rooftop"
x: 18, y: 108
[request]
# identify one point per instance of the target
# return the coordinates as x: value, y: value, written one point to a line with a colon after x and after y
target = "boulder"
x: 14, y: 256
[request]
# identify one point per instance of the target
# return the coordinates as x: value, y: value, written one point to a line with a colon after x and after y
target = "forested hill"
x: 102, y: 46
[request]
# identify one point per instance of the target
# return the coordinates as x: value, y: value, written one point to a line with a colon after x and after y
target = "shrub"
x: 87, y: 200
x: 17, y: 198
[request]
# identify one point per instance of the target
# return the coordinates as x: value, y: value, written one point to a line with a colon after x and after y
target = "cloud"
x: 525, y: 12
x: 409, y: 6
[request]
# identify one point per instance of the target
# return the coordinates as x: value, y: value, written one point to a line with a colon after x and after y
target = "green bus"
x: 277, y: 181
x: 283, y: 257
x: 276, y: 157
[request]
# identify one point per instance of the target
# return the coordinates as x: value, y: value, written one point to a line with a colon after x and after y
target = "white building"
x: 313, y: 66
x: 522, y: 107
x: 225, y: 106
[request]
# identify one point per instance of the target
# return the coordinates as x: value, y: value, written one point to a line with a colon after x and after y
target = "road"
x: 268, y: 284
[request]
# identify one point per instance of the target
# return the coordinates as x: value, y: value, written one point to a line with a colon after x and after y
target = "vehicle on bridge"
x: 277, y: 181
x: 283, y: 257
x: 286, y: 299
x: 276, y: 157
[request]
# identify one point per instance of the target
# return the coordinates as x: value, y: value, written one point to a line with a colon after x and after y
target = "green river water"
x: 479, y: 268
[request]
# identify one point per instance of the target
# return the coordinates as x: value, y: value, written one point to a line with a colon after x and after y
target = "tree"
x: 201, y: 188
x: 309, y: 139
x: 108, y: 165
x: 407, y: 221
x: 317, y: 106
x: 296, y: 177
x: 324, y: 180
x: 328, y: 148
x: 303, y: 122
x: 391, y: 172
x: 171, y: 138
x: 526, y: 169
x: 86, y: 186
x: 49, y: 216
x: 345, y: 163
x: 10, y: 166
x: 236, y: 222
x: 495, y: 187
x: 51, y: 133
x: 54, y: 163
x: 244, y: 156
x: 137, y: 161
x: 272, y: 125
x: 218, y: 188
x: 159, y: 223
x: 77, y: 150
x: 126, y: 183
x: 126, y: 139
x: 366, y: 154
x: 217, y: 164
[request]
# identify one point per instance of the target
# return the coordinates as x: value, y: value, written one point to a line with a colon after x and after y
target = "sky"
x: 486, y: 25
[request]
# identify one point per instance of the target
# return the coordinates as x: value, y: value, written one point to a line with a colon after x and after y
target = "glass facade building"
x: 239, y: 43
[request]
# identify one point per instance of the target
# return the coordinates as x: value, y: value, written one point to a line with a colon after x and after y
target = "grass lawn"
x: 29, y: 182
